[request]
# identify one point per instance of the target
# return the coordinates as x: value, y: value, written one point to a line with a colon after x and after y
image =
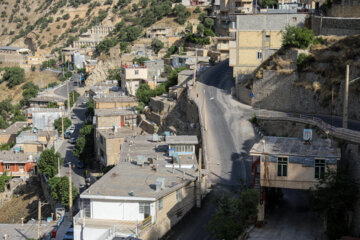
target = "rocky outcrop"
x: 100, y: 71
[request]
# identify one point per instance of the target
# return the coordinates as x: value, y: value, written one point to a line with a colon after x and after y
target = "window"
x: 319, y: 168
x: 267, y: 38
x: 136, y: 72
x: 160, y: 204
x: 282, y: 166
x: 7, y: 166
x: 259, y: 55
x: 294, y: 19
x: 21, y: 166
x: 178, y: 196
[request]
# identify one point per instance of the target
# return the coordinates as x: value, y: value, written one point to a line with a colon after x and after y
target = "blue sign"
x: 251, y: 94
x: 171, y: 152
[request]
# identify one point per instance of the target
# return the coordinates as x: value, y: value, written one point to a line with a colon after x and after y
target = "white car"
x: 71, y: 129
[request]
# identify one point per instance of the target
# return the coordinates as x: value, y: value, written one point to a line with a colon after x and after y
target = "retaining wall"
x: 335, y: 25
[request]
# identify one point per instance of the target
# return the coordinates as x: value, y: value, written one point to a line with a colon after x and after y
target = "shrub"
x: 197, y: 10
x: 304, y: 61
x: 156, y: 45
x: 208, y: 32
x: 200, y: 29
x: 60, y: 190
x: 58, y: 124
x: 13, y: 76
x: 297, y: 37
x: 181, y: 13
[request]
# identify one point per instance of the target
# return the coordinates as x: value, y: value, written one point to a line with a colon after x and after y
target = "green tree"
x: 200, y: 28
x: 181, y: 13
x: 140, y: 60
x: 144, y: 3
x: 209, y: 22
x: 52, y: 105
x: 3, y: 179
x: 298, y: 37
x: 202, y: 16
x: 74, y: 95
x: 173, y: 77
x: 135, y: 7
x: 268, y: 3
x: 84, y: 147
x: 60, y: 190
x: 334, y: 197
x: 197, y: 10
x: 58, y: 124
x: 208, y: 32
x: 48, y: 162
x: 13, y: 76
x: 3, y: 123
x: 114, y: 74
x: 232, y: 214
x: 144, y: 93
x: 157, y: 45
x: 90, y: 106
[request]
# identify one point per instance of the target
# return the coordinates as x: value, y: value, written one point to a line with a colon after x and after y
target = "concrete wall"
x: 110, y: 121
x: 121, y: 105
x: 335, y: 25
x: 12, y: 59
x: 347, y: 8
x: 135, y: 73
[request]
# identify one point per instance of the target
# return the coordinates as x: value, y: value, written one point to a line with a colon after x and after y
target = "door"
x: 122, y: 121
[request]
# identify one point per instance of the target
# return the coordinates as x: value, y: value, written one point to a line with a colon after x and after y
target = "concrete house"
x: 156, y: 32
x: 108, y: 101
x: 182, y: 144
x: 9, y: 134
x: 17, y: 164
x: 292, y: 162
x: 132, y: 77
x: 43, y: 118
x: 143, y: 196
x: 258, y: 37
x: 42, y: 101
x: 108, y: 143
x: 35, y: 141
x: 93, y: 36
x: 114, y: 117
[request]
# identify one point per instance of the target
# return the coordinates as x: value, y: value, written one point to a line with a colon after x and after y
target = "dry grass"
x: 23, y: 206
x: 41, y: 79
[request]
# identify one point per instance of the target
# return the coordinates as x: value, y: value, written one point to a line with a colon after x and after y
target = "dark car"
x: 72, y: 140
x: 80, y: 165
x: 67, y: 135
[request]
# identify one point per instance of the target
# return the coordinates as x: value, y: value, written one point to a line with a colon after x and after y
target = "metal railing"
x: 342, y: 133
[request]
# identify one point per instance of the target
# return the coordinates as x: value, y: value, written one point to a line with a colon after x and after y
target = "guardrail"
x: 346, y: 134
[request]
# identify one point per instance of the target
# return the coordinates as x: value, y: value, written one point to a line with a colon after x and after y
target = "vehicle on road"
x: 71, y: 130
x: 80, y: 165
x: 72, y: 141
x: 73, y: 116
x: 84, y: 103
x: 67, y: 135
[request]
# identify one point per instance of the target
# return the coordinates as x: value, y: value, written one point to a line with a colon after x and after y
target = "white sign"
x: 307, y: 134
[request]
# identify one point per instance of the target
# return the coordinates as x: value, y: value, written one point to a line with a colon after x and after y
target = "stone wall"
x: 279, y: 91
x: 347, y: 8
x: 335, y: 25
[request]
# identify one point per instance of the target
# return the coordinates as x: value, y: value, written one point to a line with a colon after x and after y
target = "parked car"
x: 67, y: 135
x: 73, y: 116
x: 80, y: 165
x: 72, y: 141
x: 71, y: 130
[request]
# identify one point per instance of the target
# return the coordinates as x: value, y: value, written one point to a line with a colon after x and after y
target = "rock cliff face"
x: 100, y: 72
x: 281, y: 84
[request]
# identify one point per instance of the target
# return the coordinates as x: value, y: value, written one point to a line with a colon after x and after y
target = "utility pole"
x: 195, y: 68
x: 332, y: 105
x: 199, y: 193
x: 346, y: 98
x: 70, y: 193
x: 39, y: 219
x: 62, y: 123
x: 68, y: 98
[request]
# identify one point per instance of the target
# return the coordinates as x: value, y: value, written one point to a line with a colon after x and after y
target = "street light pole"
x: 346, y: 98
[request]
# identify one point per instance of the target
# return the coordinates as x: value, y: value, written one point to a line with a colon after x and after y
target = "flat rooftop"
x: 13, y: 128
x: 119, y: 133
x: 295, y: 147
x: 114, y: 98
x: 39, y: 133
x: 9, y: 156
x: 43, y: 110
x: 46, y: 99
x: 107, y: 112
x: 182, y: 139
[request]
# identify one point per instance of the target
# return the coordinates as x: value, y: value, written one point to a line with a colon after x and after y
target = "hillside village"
x: 160, y: 119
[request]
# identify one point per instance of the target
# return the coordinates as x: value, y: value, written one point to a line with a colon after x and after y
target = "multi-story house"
x: 146, y: 194
x: 8, y: 135
x: 43, y: 118
x: 31, y: 141
x: 115, y: 100
x: 132, y: 77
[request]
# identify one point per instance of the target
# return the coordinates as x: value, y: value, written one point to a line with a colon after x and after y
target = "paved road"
x: 230, y: 136
x: 66, y: 148
x: 73, y: 85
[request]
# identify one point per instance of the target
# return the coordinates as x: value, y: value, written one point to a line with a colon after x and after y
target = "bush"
x: 156, y: 45
x: 48, y: 163
x: 200, y: 29
x: 304, y: 60
x: 181, y: 13
x: 197, y: 10
x: 3, y: 179
x: 192, y: 38
x: 209, y: 22
x: 268, y: 3
x: 140, y: 60
x: 13, y: 76
x: 297, y: 37
x: 58, y: 124
x: 60, y: 190
x: 84, y: 147
x: 209, y: 33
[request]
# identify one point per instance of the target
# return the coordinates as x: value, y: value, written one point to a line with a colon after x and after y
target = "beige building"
x: 156, y: 32
x: 8, y: 135
x: 292, y: 162
x: 35, y: 142
x: 257, y: 38
x: 132, y: 77
x: 43, y: 101
x: 114, y: 117
x: 108, y: 101
x: 92, y: 37
x: 144, y: 196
